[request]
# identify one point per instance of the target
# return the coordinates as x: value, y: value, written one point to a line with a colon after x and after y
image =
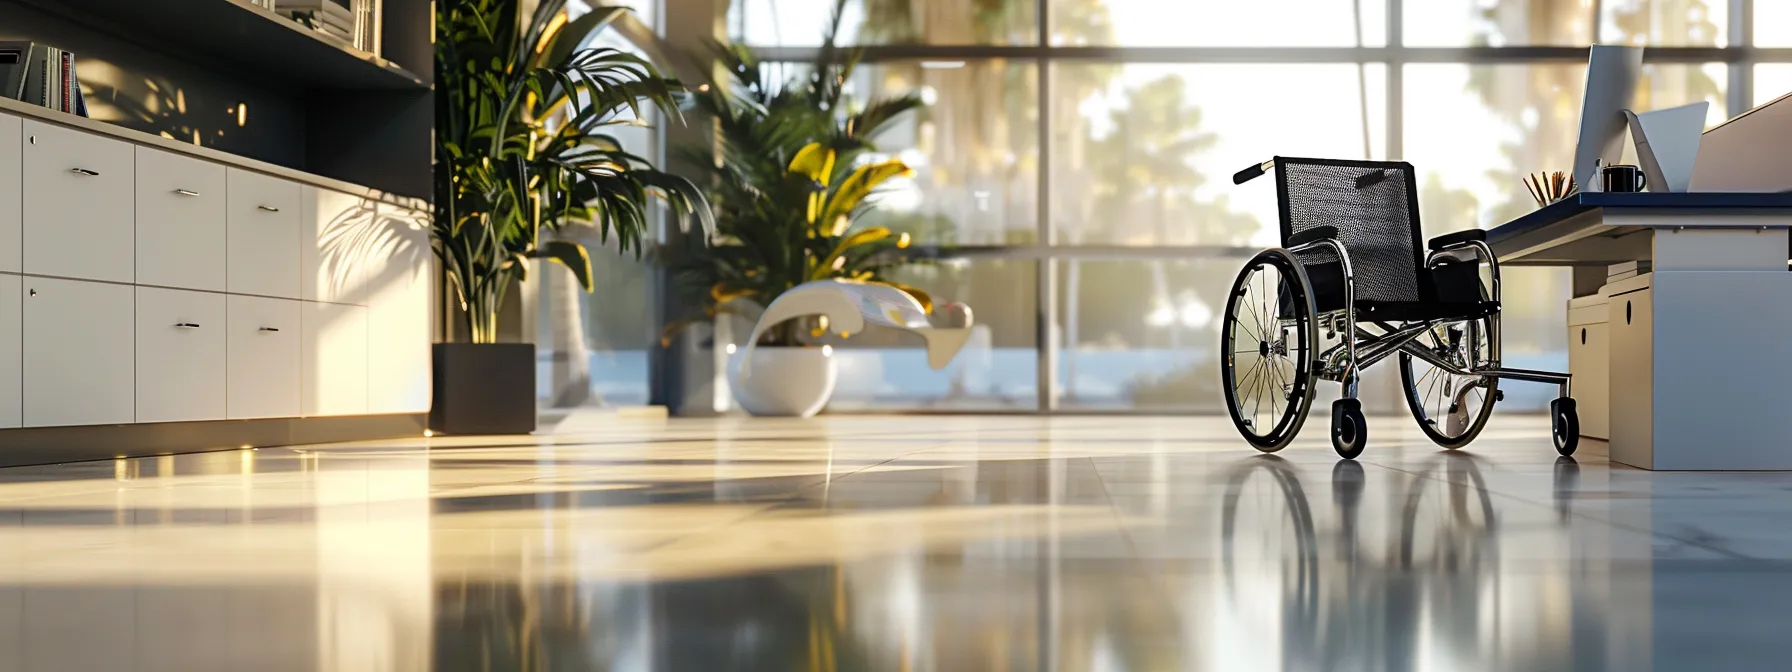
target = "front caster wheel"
x: 1349, y: 432
x: 1564, y: 425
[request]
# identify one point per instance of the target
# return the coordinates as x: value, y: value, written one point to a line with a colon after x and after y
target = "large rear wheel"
x: 1451, y: 409
x: 1268, y: 348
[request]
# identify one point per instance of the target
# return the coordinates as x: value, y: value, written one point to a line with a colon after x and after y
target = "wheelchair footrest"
x: 1527, y: 375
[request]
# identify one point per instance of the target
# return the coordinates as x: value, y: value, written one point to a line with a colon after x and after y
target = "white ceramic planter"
x: 783, y: 382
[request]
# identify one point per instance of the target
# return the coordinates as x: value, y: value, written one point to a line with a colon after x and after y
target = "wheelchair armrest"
x: 1453, y: 239
x: 1313, y: 234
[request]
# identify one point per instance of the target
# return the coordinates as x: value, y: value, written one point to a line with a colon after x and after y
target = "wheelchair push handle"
x: 1253, y: 172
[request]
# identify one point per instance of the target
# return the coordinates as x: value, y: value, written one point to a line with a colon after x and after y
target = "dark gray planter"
x: 484, y: 388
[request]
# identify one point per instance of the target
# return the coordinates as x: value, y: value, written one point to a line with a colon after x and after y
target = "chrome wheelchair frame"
x: 1359, y: 347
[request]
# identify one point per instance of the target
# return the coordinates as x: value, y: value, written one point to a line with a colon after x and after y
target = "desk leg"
x: 1700, y: 365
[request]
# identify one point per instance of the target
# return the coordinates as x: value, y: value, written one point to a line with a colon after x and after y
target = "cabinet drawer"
x: 334, y: 360
x: 77, y: 204
x: 263, y: 235
x: 12, y: 159
x: 262, y: 367
x: 11, y: 351
x: 79, y: 357
x: 180, y: 221
x: 338, y: 237
x: 180, y: 355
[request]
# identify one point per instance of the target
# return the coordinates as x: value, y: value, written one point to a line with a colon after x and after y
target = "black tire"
x: 1350, y: 432
x: 1269, y: 347
x: 1451, y: 410
x: 1564, y: 426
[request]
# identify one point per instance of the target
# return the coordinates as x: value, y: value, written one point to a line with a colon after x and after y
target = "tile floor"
x: 894, y: 543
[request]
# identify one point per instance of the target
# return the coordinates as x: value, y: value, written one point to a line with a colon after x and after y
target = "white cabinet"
x: 333, y: 370
x: 1631, y: 368
x: 78, y: 353
x: 11, y: 351
x: 141, y: 283
x: 262, y: 367
x: 12, y: 183
x: 1589, y: 360
x: 180, y: 355
x: 400, y: 301
x: 338, y: 236
x: 263, y: 235
x: 180, y: 221
x: 77, y: 204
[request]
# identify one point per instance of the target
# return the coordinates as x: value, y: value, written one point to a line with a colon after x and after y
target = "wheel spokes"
x: 1452, y: 404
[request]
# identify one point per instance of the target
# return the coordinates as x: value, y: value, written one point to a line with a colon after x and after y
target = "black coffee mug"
x: 1622, y: 179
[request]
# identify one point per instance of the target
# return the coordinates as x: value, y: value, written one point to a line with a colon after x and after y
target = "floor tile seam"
x: 1157, y: 579
x: 1727, y: 553
x: 829, y: 478
x: 706, y: 529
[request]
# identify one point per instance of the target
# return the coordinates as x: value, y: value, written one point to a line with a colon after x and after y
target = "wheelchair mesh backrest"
x: 1373, y: 204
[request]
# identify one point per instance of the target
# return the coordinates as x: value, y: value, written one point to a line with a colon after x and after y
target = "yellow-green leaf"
x: 835, y: 259
x: 721, y: 293
x: 571, y: 255
x: 860, y: 184
x: 815, y: 162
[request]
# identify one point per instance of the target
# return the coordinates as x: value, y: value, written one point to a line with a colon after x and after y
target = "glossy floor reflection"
x: 893, y: 543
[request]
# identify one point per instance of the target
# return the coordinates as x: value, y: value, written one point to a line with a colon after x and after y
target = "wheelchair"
x: 1351, y: 267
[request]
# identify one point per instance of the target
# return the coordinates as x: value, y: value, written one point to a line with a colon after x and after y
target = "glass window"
x: 974, y: 149
x: 1455, y: 23
x: 1773, y: 23
x: 1219, y: 23
x: 1141, y: 334
x: 873, y: 22
x: 1144, y: 153
x: 1667, y: 85
x: 997, y: 370
x: 592, y: 348
x: 1772, y: 80
x: 1666, y: 23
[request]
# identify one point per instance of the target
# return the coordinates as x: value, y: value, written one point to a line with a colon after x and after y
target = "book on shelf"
x: 41, y: 75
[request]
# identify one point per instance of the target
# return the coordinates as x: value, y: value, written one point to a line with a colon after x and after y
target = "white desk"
x: 1700, y: 355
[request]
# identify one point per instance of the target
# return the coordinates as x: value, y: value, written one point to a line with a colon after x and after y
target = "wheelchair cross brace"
x: 1371, y: 348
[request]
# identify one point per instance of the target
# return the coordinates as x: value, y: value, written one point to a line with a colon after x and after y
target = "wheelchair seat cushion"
x: 1450, y: 292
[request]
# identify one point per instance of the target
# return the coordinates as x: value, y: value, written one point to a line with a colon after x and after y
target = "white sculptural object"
x: 850, y: 306
x: 797, y: 382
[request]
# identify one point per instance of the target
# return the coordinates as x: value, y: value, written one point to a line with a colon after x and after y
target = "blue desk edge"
x: 1583, y: 202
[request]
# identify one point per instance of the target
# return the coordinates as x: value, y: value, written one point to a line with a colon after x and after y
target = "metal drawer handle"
x: 84, y: 171
x: 268, y: 329
x: 188, y: 325
x: 186, y: 192
x: 268, y: 208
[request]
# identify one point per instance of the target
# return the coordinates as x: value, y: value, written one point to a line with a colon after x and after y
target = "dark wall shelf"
x: 235, y: 36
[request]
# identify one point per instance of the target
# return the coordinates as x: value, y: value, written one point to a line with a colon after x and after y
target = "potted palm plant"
x: 521, y: 150
x: 788, y: 176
